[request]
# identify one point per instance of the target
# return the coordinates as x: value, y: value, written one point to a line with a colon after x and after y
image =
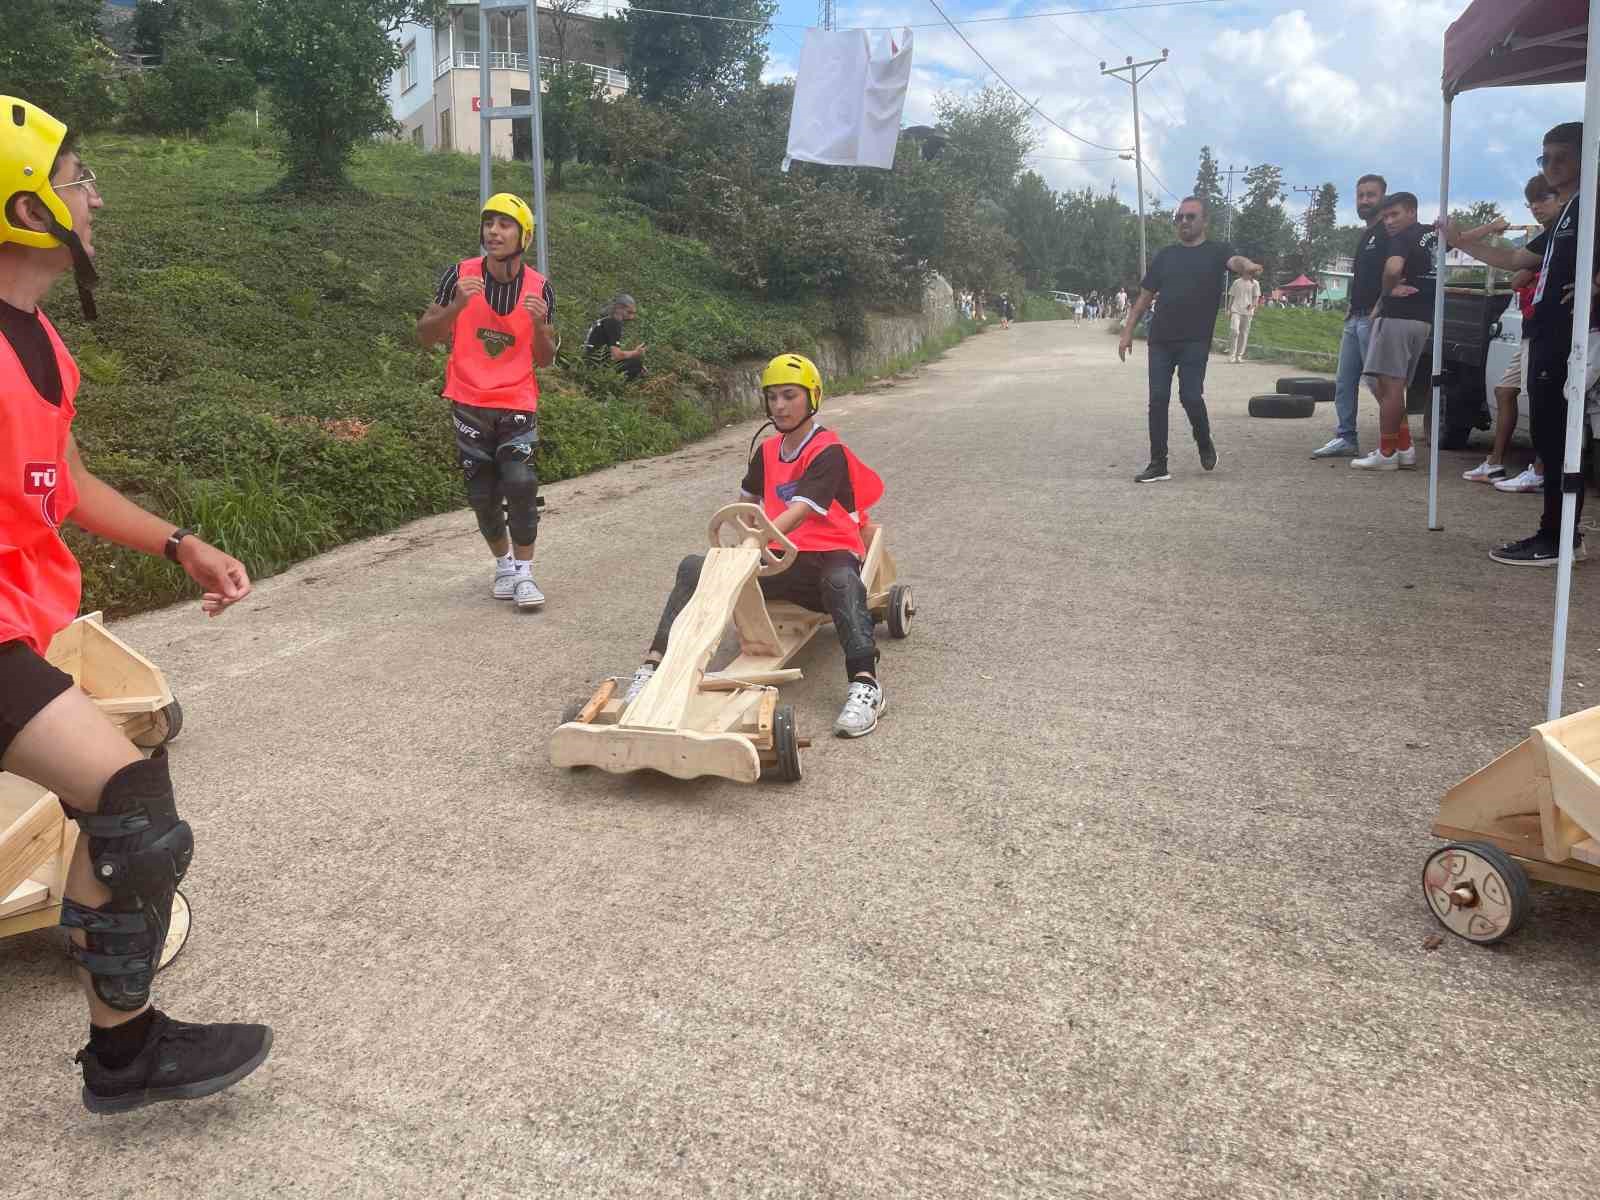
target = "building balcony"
x: 508, y: 60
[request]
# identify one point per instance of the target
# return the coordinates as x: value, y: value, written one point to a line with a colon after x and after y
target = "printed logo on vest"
x: 495, y: 342
x: 39, y: 479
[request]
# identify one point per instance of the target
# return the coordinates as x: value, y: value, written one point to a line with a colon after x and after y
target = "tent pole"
x: 1438, y: 322
x: 1577, y: 361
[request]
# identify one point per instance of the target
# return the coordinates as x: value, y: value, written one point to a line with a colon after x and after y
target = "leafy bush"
x: 189, y: 93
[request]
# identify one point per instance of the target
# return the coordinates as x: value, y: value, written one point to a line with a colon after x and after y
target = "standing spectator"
x: 1401, y: 327
x: 1546, y: 208
x: 1006, y: 310
x: 1122, y: 302
x: 603, y: 343
x: 1554, y: 254
x: 1077, y: 309
x: 1372, y: 251
x: 1184, y: 275
x: 1244, y: 297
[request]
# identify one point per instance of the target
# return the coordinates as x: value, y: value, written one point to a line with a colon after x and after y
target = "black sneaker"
x: 1156, y: 472
x: 180, y: 1061
x: 1208, y: 455
x: 1536, y: 552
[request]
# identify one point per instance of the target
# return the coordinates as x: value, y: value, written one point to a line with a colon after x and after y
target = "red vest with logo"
x: 835, y: 530
x: 491, y: 357
x: 39, y: 580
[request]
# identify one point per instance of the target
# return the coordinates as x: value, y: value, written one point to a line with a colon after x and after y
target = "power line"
x: 1061, y: 158
x: 1066, y: 12
x: 1048, y: 119
x: 1164, y: 187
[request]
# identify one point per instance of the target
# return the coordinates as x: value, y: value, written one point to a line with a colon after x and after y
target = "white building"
x: 435, y: 95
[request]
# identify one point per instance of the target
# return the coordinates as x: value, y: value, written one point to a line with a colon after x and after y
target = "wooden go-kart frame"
x: 689, y: 722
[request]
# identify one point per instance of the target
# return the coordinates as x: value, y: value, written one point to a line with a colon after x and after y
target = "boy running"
x: 134, y: 849
x: 495, y: 312
x: 818, y: 493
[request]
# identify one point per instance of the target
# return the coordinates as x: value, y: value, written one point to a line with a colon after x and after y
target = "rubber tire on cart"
x: 901, y: 610
x: 1276, y: 404
x: 177, y: 932
x: 1499, y: 887
x: 786, y: 745
x: 166, y: 724
x: 1306, y: 385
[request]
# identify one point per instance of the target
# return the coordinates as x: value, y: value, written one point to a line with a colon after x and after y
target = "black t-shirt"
x: 26, y: 334
x: 1189, y: 282
x: 1552, y: 318
x: 1419, y: 246
x: 1371, y: 253
x: 502, y: 297
x: 603, y: 334
x: 827, y: 478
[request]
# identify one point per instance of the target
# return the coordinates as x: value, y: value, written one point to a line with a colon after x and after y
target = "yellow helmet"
x: 794, y: 368
x: 30, y: 139
x: 515, y: 207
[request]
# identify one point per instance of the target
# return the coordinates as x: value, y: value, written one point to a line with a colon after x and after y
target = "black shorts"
x: 27, y: 685
x: 487, y: 435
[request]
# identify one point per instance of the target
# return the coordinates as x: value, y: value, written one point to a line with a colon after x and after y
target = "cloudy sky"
x: 1328, y: 89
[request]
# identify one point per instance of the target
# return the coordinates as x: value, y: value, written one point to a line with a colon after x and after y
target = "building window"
x: 408, y: 69
x: 416, y: 137
x: 445, y: 142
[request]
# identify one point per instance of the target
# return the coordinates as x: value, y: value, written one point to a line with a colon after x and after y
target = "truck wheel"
x: 1306, y: 385
x: 1276, y: 404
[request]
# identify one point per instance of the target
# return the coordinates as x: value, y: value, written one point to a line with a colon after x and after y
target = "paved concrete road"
x: 1120, y: 900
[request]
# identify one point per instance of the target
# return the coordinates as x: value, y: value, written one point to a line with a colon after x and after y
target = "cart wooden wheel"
x: 1477, y: 891
x: 901, y: 610
x: 753, y: 528
x: 165, y: 724
x: 786, y: 745
x: 177, y: 931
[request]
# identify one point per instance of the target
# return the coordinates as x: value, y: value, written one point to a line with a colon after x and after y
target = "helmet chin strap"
x: 83, y: 272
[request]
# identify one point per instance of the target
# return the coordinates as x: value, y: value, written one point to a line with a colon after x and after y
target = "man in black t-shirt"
x: 1554, y: 255
x: 1402, y: 325
x: 1372, y: 251
x: 603, y: 344
x: 1188, y: 278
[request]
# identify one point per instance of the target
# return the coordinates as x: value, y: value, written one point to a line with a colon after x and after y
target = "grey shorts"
x: 1396, y: 347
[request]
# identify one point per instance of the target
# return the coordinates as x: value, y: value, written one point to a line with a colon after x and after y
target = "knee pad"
x: 520, y: 486
x: 483, y: 494
x: 140, y: 852
x: 844, y: 597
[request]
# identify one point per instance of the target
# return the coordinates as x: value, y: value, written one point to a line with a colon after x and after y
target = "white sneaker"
x: 862, y: 708
x: 1528, y: 481
x: 1484, y: 472
x: 640, y: 677
x: 1407, y: 458
x: 526, y: 592
x: 505, y: 583
x: 1377, y: 460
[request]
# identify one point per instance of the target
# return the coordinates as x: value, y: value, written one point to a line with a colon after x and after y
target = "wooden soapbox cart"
x: 689, y: 722
x: 36, y: 839
x: 1534, y: 812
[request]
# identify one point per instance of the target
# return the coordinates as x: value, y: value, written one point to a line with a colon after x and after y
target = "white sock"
x: 524, y: 566
x: 504, y: 564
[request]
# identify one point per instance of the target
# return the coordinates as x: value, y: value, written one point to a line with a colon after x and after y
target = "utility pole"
x: 488, y: 114
x: 1310, y: 193
x: 1228, y: 235
x: 825, y: 14
x: 1131, y: 73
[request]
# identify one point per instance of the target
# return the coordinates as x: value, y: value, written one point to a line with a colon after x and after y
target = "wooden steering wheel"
x: 754, y: 530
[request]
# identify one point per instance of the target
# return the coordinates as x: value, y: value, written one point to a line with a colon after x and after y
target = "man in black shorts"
x: 1188, y: 279
x: 133, y: 849
x: 603, y: 344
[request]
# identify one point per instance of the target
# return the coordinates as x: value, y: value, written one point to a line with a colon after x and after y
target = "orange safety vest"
x: 491, y: 357
x: 40, y: 585
x: 836, y: 529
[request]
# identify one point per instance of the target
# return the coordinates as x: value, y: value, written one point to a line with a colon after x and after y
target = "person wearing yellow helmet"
x: 818, y: 493
x: 133, y: 848
x: 496, y: 313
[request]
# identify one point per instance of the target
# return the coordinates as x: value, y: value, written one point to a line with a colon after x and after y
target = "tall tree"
x: 1208, y: 181
x: 989, y: 136
x: 669, y: 58
x: 1477, y: 214
x: 567, y: 112
x: 53, y: 55
x: 325, y: 64
x: 561, y: 13
x: 1035, y: 219
x: 1262, y: 230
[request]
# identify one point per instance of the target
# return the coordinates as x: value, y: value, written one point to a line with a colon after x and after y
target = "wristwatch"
x: 170, y: 550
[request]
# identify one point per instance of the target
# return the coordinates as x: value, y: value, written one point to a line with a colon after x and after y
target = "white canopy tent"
x: 1503, y: 43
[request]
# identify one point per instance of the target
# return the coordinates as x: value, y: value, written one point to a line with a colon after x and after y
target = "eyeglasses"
x: 1186, y: 217
x: 1545, y: 160
x: 86, y: 180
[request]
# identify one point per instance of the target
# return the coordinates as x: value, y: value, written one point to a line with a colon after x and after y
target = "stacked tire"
x: 1296, y: 396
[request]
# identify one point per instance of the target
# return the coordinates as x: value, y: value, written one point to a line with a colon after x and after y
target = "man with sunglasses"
x: 1186, y: 277
x: 1554, y: 255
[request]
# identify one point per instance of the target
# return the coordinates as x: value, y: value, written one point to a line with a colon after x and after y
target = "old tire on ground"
x: 1476, y: 891
x: 1277, y: 404
x: 177, y: 931
x: 786, y: 745
x: 901, y: 610
x: 1306, y: 385
x: 165, y: 724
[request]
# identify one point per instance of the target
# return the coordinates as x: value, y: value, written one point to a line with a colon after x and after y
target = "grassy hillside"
x: 1302, y: 337
x: 254, y: 371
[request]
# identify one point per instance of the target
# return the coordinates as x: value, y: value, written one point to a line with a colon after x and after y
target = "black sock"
x: 119, y: 1045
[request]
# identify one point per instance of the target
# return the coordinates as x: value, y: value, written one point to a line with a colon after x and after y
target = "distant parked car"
x: 1070, y: 299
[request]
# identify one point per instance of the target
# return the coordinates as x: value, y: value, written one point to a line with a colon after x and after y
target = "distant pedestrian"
x: 1006, y: 310
x: 603, y: 343
x: 1244, y: 297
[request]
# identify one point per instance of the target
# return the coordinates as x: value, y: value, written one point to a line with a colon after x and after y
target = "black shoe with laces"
x: 1156, y: 472
x: 179, y: 1061
x: 1536, y: 552
x: 1208, y: 455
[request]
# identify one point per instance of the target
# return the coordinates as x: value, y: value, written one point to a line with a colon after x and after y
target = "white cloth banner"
x: 847, y: 104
